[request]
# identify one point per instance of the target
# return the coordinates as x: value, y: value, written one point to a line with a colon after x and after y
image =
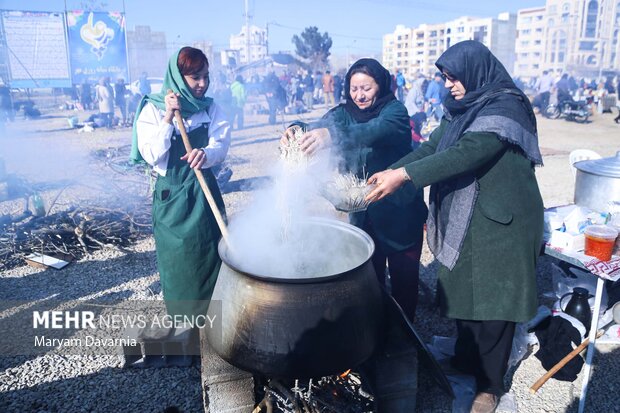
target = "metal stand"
x: 592, y: 336
x: 593, y: 325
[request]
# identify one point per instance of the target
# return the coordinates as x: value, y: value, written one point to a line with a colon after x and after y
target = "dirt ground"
x: 46, y: 149
x: 59, y: 160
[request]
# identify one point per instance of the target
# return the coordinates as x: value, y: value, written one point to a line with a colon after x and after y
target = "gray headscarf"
x: 492, y: 103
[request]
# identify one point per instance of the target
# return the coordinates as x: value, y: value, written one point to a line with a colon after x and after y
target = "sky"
x: 355, y: 26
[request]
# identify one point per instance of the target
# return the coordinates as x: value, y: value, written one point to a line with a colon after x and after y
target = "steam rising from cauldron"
x: 273, y: 236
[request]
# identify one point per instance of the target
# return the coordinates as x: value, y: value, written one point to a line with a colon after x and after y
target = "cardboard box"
x: 567, y: 240
x: 45, y: 261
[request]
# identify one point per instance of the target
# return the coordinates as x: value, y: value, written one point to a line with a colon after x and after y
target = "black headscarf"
x: 381, y: 75
x: 492, y: 103
x: 489, y: 93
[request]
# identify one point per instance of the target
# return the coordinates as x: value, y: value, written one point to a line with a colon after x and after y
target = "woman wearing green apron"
x: 185, y: 230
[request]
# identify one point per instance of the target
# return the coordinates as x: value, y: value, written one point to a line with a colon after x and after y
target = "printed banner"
x: 37, y: 49
x: 97, y: 46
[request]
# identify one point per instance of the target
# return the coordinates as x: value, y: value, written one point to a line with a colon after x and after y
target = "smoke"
x: 43, y: 156
x: 275, y: 236
x: 68, y: 168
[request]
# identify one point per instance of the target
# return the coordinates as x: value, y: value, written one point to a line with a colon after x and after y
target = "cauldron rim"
x: 223, y: 253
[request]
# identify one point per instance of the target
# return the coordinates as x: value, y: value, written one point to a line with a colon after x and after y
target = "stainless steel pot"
x: 300, y: 327
x: 597, y: 184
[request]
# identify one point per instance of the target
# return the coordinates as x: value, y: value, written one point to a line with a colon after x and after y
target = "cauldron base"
x: 225, y: 387
x: 312, y: 327
x: 390, y: 374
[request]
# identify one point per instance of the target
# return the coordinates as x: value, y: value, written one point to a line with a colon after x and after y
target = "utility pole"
x: 247, y: 30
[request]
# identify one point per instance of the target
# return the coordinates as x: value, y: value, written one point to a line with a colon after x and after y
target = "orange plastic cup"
x: 600, y: 240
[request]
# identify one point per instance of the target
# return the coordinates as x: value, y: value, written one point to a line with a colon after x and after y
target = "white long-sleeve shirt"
x: 155, y: 135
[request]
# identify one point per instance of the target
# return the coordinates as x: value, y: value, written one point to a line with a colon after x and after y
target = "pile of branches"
x: 115, y: 212
x: 72, y: 233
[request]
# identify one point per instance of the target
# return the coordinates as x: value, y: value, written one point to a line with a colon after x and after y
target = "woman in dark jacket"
x: 485, y: 215
x: 372, y: 130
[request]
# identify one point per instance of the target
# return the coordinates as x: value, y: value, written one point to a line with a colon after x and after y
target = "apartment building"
x: 147, y: 52
x: 397, y: 49
x: 530, y: 46
x: 575, y: 36
x: 430, y: 43
x: 458, y: 30
x: 496, y: 33
x: 251, y: 44
x: 415, y: 50
x: 582, y: 36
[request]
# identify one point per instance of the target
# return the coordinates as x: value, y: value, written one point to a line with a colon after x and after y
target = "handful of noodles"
x: 291, y: 152
x: 347, y: 192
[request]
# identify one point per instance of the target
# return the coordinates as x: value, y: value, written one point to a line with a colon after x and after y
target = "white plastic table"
x: 608, y: 270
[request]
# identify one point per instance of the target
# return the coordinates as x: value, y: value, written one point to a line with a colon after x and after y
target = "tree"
x: 313, y: 46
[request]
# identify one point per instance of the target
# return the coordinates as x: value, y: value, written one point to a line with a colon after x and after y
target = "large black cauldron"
x: 314, y: 326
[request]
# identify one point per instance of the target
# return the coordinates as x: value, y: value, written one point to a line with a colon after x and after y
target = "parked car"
x: 156, y: 85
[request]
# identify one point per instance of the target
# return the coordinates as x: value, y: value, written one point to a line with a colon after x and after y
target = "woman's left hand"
x: 314, y: 140
x: 196, y: 158
x: 387, y: 182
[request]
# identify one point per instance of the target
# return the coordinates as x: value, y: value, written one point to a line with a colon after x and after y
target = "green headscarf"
x: 173, y: 79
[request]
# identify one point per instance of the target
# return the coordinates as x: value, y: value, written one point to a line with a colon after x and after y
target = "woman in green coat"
x: 185, y: 230
x: 485, y: 220
x: 371, y: 130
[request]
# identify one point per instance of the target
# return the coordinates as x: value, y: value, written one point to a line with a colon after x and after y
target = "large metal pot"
x: 303, y: 327
x: 597, y: 184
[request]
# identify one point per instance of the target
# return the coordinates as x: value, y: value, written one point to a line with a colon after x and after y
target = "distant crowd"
x: 291, y: 93
x: 300, y: 92
x: 116, y: 103
x: 304, y: 90
x: 550, y: 89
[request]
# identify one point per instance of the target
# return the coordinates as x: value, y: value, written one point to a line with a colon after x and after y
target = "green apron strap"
x: 186, y: 232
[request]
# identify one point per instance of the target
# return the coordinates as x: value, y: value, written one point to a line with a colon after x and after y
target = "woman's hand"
x: 288, y: 135
x: 314, y: 140
x: 387, y: 182
x: 172, y: 103
x: 196, y: 158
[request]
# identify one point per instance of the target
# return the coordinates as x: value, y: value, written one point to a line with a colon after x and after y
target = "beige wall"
x: 555, y: 36
x: 147, y: 52
x: 529, y: 43
x: 414, y: 50
x: 567, y: 41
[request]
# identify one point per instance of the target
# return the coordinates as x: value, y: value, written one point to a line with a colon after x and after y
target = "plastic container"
x: 600, y: 240
x: 616, y: 250
x: 38, y: 208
